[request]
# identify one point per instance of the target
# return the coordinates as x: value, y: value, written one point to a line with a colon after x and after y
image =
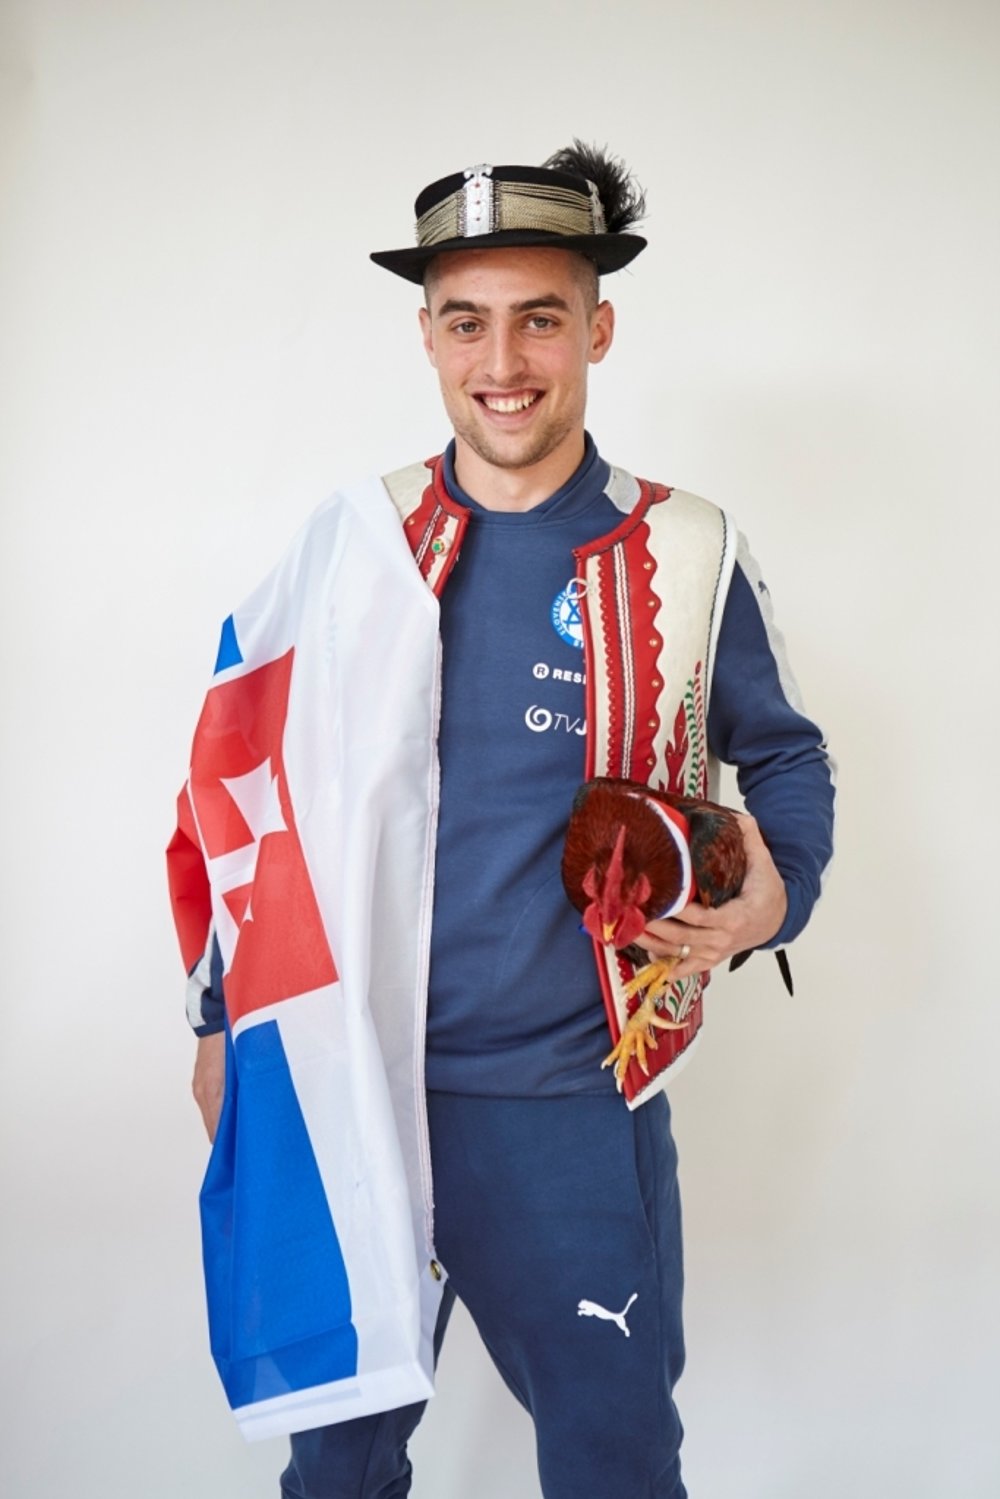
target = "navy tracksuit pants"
x: 558, y: 1223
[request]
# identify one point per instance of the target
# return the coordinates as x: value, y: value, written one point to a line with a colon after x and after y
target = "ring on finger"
x: 685, y: 952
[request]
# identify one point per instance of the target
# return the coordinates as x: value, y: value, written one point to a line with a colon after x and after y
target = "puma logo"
x: 591, y: 1309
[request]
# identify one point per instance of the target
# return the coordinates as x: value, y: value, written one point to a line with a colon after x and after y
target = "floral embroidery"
x: 694, y: 704
x: 676, y: 753
x: 687, y: 771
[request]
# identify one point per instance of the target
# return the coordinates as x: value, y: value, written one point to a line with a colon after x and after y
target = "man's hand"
x: 209, y: 1081
x: 715, y: 935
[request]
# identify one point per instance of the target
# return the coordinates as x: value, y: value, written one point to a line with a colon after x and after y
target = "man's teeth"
x: 510, y: 403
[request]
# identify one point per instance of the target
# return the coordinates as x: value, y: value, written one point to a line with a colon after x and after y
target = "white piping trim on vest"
x: 660, y: 1081
x: 628, y: 657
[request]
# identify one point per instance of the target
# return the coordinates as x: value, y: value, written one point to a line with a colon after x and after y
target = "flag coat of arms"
x: 305, y: 843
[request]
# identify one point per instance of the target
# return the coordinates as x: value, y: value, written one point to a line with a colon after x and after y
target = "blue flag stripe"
x: 278, y: 1292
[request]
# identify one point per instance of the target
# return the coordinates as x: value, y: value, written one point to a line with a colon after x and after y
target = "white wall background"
x: 195, y: 349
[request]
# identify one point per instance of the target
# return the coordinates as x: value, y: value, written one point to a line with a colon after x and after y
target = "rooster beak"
x: 608, y: 928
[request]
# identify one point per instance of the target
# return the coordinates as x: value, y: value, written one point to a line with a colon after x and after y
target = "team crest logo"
x: 567, y: 620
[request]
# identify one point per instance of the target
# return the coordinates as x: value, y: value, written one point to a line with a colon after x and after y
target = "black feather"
x: 622, y: 199
x: 784, y: 967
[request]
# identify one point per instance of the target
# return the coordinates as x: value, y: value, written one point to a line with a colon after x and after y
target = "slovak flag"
x: 322, y: 1292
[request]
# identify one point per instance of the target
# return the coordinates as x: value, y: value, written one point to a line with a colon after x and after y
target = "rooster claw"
x: 638, y: 1036
x: 655, y: 978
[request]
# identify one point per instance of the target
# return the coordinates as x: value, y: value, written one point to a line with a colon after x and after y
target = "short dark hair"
x: 587, y: 275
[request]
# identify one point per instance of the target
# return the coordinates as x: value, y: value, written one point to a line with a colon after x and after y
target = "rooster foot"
x: 655, y: 978
x: 637, y: 1037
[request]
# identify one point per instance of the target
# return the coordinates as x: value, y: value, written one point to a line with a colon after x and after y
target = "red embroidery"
x: 435, y: 528
x: 643, y: 651
x: 677, y: 752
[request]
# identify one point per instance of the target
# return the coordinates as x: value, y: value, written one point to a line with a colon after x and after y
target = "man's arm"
x: 206, y: 1013
x: 752, y: 919
x: 209, y: 1081
x: 756, y: 722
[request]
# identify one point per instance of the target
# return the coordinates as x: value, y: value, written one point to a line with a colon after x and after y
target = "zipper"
x: 424, y: 961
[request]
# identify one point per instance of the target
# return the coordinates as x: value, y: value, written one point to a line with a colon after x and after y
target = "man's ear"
x: 428, y: 335
x: 602, y: 332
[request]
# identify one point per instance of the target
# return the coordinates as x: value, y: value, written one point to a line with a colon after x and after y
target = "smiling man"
x: 511, y: 337
x: 383, y: 855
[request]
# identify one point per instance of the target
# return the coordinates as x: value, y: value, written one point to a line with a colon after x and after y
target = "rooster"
x: 634, y: 854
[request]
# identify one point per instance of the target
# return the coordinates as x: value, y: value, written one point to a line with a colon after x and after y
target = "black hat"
x: 579, y: 200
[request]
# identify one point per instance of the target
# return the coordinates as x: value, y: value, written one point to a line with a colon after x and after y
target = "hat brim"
x: 609, y: 252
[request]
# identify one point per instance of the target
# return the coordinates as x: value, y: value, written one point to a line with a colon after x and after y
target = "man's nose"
x: 505, y: 362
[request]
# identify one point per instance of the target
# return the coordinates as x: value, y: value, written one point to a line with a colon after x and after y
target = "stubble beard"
x: 538, y: 445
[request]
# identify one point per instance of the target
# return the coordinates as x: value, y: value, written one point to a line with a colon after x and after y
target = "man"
x: 589, y: 624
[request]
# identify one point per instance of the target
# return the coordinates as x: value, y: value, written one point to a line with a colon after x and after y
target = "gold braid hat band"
x: 500, y: 205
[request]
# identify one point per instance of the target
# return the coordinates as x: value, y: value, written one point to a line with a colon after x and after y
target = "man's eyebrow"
x: 456, y: 304
x: 551, y: 300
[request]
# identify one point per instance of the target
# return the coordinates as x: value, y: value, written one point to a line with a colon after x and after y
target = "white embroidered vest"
x: 653, y: 592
